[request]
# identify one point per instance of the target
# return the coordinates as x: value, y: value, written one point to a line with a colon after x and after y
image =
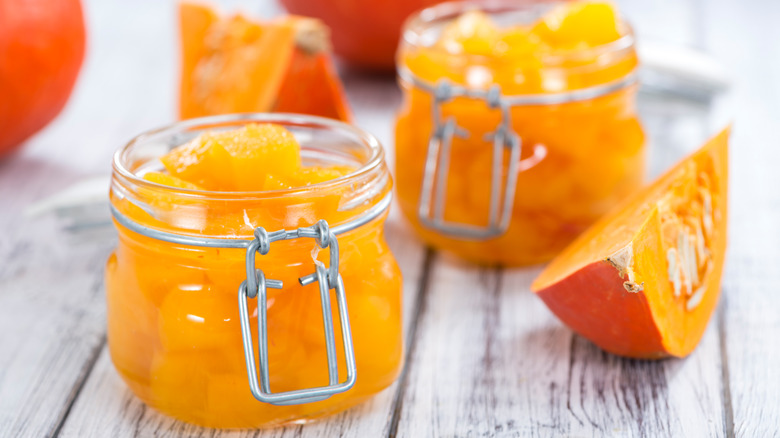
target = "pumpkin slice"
x: 195, y: 21
x: 233, y: 64
x: 311, y: 85
x: 644, y: 280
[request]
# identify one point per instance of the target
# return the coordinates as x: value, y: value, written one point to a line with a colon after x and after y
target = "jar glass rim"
x: 418, y: 21
x: 373, y: 160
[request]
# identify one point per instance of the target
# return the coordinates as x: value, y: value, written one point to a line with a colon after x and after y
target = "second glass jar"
x: 504, y: 159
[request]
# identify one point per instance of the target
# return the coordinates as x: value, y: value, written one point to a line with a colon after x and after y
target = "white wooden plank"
x: 107, y: 408
x: 51, y: 317
x: 490, y: 359
x: 750, y: 321
x: 51, y: 297
x: 675, y: 397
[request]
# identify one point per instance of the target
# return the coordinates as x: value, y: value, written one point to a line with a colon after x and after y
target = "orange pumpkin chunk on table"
x: 644, y: 280
x: 233, y: 64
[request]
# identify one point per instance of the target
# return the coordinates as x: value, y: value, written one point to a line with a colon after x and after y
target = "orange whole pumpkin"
x: 41, y: 52
x: 365, y: 33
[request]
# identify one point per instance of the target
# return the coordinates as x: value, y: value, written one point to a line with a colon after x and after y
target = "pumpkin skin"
x: 614, y: 284
x: 300, y: 94
x: 234, y: 64
x: 41, y: 52
x: 365, y: 33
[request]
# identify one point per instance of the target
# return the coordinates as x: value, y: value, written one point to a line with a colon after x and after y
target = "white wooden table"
x: 485, y: 357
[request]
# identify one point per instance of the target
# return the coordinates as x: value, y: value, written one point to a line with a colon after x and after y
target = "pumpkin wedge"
x: 644, y: 280
x: 234, y: 64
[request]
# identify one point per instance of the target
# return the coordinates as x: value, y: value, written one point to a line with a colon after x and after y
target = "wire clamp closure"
x: 435, y: 173
x: 256, y: 286
x: 436, y: 170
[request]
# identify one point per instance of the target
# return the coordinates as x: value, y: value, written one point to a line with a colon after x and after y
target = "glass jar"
x: 503, y: 160
x: 183, y: 286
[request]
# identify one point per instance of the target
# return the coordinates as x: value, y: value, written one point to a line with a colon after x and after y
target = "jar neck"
x: 236, y: 215
x: 531, y: 73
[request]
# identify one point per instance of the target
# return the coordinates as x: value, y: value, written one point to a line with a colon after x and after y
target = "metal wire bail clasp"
x: 434, y: 185
x: 256, y: 285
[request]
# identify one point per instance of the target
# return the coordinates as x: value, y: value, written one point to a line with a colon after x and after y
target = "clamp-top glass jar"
x: 185, y: 330
x: 507, y: 148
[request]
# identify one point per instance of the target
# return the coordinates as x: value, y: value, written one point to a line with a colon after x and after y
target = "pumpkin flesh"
x: 645, y: 279
x: 234, y: 64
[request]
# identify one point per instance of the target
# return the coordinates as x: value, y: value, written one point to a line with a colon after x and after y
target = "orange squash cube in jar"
x: 518, y: 127
x: 252, y: 284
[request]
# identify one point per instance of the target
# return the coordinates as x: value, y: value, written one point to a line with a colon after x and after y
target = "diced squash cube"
x: 203, y: 162
x: 472, y: 32
x: 259, y: 150
x: 579, y: 23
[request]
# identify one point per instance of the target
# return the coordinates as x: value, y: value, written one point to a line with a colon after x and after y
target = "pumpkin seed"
x: 690, y: 252
x: 707, y: 216
x: 674, y: 273
x: 682, y: 250
x: 701, y: 250
x: 687, y: 222
x: 696, y: 298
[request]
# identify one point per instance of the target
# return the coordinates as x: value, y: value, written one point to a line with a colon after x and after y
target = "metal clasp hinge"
x: 256, y: 285
x: 434, y: 186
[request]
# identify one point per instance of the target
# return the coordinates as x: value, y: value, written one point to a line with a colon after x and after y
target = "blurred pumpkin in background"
x: 41, y: 52
x: 365, y: 33
x: 236, y: 64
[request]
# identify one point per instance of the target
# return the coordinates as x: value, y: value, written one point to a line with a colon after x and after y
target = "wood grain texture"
x: 51, y: 294
x: 490, y: 359
x: 51, y: 317
x: 121, y: 414
x: 750, y: 323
